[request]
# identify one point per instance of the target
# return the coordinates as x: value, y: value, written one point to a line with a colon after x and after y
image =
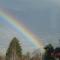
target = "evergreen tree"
x: 49, y: 52
x: 14, y: 49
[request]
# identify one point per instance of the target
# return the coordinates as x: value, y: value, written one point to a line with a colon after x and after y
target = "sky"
x: 42, y: 17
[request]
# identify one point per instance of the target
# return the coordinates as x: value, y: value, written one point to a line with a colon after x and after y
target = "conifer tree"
x: 14, y: 50
x: 48, y: 52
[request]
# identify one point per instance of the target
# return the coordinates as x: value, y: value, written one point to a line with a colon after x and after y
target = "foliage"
x: 48, y: 52
x: 57, y: 52
x: 14, y: 46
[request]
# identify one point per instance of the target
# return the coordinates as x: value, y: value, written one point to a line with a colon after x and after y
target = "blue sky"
x: 42, y: 17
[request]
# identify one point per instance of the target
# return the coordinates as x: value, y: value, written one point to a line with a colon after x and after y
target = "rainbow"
x: 12, y: 20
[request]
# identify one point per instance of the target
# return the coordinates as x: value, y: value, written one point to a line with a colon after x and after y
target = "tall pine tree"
x: 14, y: 52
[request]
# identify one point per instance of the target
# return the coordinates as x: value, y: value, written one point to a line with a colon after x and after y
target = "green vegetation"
x: 14, y: 47
x: 14, y: 52
x: 49, y: 52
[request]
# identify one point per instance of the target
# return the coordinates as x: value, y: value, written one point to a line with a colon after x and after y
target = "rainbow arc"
x: 19, y: 26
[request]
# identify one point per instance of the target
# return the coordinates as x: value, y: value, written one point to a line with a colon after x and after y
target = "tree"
x: 14, y: 52
x: 1, y: 58
x: 28, y: 56
x: 37, y: 56
x: 57, y: 52
x: 49, y: 52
